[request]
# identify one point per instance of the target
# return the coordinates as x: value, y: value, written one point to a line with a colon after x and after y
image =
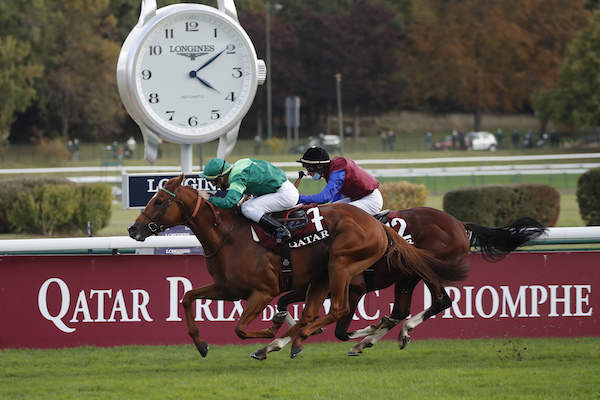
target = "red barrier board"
x: 109, y: 300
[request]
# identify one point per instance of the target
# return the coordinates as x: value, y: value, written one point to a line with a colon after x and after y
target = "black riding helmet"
x: 315, y: 158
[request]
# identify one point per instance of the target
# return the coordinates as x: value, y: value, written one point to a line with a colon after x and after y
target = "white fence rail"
x: 573, y: 235
x: 547, y: 165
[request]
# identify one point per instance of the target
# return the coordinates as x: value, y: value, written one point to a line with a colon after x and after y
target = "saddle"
x: 304, y: 233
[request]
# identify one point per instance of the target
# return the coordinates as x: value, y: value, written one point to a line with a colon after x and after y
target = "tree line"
x: 58, y: 79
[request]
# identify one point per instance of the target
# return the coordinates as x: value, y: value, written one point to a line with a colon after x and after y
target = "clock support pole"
x: 187, y: 153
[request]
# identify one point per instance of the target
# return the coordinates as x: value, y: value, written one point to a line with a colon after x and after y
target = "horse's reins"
x: 155, y: 228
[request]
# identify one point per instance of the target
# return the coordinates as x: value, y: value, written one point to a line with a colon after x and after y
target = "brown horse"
x: 244, y: 269
x: 443, y: 236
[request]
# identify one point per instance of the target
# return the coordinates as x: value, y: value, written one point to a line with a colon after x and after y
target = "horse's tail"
x: 496, y: 243
x: 412, y: 260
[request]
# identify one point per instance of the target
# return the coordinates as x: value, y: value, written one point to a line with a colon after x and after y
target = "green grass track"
x: 509, y: 368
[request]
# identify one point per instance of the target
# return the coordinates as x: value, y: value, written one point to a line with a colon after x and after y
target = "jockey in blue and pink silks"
x: 346, y: 181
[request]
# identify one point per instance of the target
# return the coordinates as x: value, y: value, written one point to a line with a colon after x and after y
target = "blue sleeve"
x: 330, y: 192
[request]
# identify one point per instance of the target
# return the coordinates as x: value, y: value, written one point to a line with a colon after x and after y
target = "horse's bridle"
x: 155, y: 228
x: 153, y: 225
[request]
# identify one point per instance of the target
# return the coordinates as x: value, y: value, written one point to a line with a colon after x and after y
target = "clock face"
x: 194, y: 74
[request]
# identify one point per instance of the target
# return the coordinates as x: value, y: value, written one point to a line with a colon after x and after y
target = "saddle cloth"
x: 394, y: 220
x: 305, y: 229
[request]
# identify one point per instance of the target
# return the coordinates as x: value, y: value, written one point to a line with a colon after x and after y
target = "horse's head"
x: 160, y: 214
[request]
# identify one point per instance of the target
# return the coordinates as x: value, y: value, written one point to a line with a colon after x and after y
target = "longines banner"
x: 108, y: 300
x: 138, y: 189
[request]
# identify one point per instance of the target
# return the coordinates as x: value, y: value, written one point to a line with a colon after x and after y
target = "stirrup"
x: 282, y: 234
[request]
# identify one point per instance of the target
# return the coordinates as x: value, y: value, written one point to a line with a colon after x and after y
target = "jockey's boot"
x: 279, y: 231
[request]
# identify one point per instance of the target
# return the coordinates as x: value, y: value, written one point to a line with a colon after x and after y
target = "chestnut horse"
x: 443, y: 236
x: 244, y: 269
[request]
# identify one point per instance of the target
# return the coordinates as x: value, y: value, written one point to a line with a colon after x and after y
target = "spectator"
x: 391, y: 139
x: 554, y: 140
x: 428, y: 141
x: 499, y: 138
x: 383, y: 140
x: 257, y: 143
x: 115, y: 150
x: 528, y: 140
x: 461, y: 141
x: 70, y: 148
x: 516, y: 138
x: 130, y: 147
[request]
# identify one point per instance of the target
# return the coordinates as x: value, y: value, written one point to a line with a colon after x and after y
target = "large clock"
x: 188, y: 73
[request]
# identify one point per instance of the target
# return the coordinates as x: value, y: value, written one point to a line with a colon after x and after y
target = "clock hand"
x: 212, y: 59
x: 194, y: 74
x: 205, y: 83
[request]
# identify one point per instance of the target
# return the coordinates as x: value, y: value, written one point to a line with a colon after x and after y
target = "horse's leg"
x: 403, y: 291
x: 357, y: 290
x: 257, y: 301
x: 341, y: 271
x: 440, y: 302
x: 317, y: 291
x: 188, y: 300
x: 255, y: 304
x: 282, y: 314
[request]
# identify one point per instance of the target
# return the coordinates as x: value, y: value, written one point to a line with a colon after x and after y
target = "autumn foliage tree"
x: 488, y: 55
x: 574, y: 102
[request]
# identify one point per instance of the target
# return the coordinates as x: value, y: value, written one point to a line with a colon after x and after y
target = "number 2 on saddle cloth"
x: 394, y: 220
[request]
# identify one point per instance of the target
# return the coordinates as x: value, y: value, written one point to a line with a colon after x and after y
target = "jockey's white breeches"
x: 372, y: 204
x: 284, y: 198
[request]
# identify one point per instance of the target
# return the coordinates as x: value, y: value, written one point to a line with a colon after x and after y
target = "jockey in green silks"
x: 268, y: 184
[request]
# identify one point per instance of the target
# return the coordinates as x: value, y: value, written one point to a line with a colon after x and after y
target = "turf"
x: 509, y: 368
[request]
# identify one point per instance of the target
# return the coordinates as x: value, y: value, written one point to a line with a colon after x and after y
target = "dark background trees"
x: 466, y: 55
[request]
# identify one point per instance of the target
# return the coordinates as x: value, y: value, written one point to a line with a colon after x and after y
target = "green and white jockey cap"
x: 215, y: 168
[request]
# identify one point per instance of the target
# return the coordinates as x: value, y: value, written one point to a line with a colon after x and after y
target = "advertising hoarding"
x: 109, y: 300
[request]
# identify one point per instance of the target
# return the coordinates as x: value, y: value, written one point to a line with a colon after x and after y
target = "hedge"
x: 500, y: 205
x: 54, y: 208
x: 401, y: 195
x: 588, y: 196
x: 10, y: 192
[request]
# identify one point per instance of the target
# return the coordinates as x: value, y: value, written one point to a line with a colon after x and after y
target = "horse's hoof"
x: 296, y: 351
x: 355, y: 351
x: 202, y: 348
x: 259, y: 355
x: 404, y: 341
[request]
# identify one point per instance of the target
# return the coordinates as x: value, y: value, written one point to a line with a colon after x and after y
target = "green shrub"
x: 588, y: 196
x: 500, y: 205
x: 10, y: 189
x: 64, y: 208
x: 46, y: 210
x: 25, y: 213
x: 401, y: 195
x: 94, y: 206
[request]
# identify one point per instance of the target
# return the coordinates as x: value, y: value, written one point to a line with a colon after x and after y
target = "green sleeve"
x: 229, y: 201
